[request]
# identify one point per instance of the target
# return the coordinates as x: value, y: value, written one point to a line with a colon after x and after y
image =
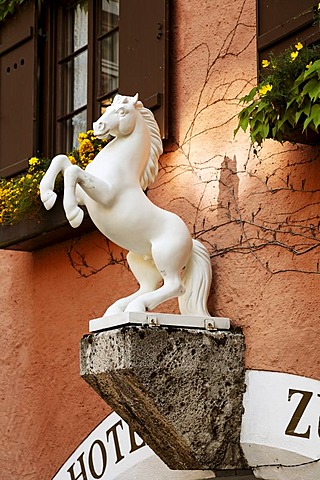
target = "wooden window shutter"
x: 282, y: 22
x: 143, y: 57
x: 18, y: 89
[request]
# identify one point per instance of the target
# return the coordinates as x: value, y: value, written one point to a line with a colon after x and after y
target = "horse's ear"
x: 117, y: 99
x: 135, y: 99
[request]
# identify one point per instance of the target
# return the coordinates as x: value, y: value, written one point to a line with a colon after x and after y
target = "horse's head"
x: 119, y: 119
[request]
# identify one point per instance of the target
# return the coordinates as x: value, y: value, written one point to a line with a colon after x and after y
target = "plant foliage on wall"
x: 8, y: 6
x: 287, y: 98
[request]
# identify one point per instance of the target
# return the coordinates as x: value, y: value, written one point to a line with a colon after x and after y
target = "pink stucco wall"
x: 257, y: 212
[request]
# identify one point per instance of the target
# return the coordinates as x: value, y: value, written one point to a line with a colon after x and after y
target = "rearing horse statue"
x: 165, y: 260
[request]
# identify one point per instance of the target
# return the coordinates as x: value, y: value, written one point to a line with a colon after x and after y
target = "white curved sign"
x: 113, y: 451
x: 281, y: 426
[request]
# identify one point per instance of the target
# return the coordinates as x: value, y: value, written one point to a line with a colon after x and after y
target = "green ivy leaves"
x: 313, y: 120
x: 8, y: 6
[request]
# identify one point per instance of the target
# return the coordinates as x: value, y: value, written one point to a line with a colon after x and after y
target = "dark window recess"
x: 18, y: 89
x: 282, y: 22
x: 107, y: 42
x: 143, y: 54
x: 72, y: 91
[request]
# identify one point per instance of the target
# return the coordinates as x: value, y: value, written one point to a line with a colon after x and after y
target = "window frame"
x: 61, y: 57
x: 99, y: 37
x: 133, y: 79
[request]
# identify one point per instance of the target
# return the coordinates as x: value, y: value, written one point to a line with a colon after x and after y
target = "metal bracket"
x: 152, y: 321
x: 209, y: 324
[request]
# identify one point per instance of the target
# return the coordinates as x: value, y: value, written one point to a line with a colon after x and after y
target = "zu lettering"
x: 298, y: 414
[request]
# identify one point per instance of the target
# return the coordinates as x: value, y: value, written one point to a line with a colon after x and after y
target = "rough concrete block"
x: 180, y: 389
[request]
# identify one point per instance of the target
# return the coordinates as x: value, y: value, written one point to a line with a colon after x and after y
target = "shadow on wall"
x: 227, y: 209
x: 228, y: 190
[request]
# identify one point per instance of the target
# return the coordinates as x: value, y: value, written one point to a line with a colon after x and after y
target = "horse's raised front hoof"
x: 49, y: 199
x: 75, y: 219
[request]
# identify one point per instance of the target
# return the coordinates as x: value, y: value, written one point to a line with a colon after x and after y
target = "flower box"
x: 21, y: 193
x: 309, y: 137
x: 52, y: 227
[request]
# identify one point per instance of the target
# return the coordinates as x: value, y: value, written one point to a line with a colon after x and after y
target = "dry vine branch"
x: 255, y: 229
x: 229, y: 224
x: 80, y: 264
x: 258, y: 231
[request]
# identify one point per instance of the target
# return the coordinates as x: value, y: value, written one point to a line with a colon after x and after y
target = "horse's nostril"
x: 98, y: 126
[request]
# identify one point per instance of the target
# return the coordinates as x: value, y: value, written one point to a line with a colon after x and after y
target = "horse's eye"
x: 121, y: 112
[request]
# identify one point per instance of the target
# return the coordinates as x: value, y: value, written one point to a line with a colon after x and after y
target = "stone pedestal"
x: 180, y: 389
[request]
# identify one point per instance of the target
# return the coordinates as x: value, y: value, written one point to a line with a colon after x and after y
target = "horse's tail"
x: 197, y: 282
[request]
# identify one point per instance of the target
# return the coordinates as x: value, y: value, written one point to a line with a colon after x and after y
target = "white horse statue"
x: 165, y: 260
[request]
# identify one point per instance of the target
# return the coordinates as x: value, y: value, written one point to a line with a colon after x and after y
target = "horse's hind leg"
x: 58, y: 164
x: 169, y: 262
x: 147, y: 276
x: 171, y: 288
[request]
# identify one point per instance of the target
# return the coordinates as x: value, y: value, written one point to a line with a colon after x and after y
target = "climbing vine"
x: 262, y: 203
x: 80, y: 263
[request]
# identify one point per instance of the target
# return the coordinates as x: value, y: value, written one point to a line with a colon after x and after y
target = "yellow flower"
x: 299, y: 46
x: 85, y: 147
x: 33, y: 161
x: 72, y: 159
x: 265, y: 89
x: 318, y: 6
x: 265, y: 63
x: 309, y: 64
x: 81, y: 136
x: 294, y: 55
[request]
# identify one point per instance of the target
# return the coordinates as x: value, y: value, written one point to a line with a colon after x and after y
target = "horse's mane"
x: 151, y: 170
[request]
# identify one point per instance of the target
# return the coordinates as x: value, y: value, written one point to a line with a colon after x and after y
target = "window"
x: 282, y: 22
x: 87, y: 65
x: 72, y: 73
x: 108, y: 46
x: 66, y: 63
x: 102, y: 47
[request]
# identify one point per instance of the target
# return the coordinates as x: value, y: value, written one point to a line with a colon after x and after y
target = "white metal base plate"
x: 158, y: 320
